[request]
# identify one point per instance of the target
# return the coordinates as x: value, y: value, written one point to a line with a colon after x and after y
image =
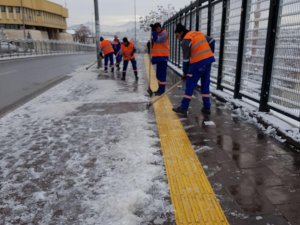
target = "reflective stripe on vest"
x: 106, y: 47
x: 200, y: 49
x: 161, y: 49
x: 127, y: 50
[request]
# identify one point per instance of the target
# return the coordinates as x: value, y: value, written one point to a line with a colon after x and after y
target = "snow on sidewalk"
x: 85, y: 152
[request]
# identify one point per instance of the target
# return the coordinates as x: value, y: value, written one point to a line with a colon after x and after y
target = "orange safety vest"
x: 127, y: 51
x: 200, y: 49
x: 106, y: 47
x: 161, y: 49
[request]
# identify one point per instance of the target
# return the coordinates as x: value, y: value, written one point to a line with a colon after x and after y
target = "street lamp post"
x: 134, y: 21
x: 23, y: 19
x: 97, y: 29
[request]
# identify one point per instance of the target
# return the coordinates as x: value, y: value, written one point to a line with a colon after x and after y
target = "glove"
x: 183, y: 76
x: 101, y: 55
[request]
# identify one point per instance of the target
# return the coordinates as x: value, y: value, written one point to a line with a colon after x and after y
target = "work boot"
x: 205, y: 111
x: 118, y: 66
x: 157, y: 93
x: 136, y: 76
x: 150, y: 92
x: 180, y: 111
x: 123, y: 76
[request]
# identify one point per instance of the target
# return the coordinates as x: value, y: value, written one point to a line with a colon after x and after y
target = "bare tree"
x: 82, y: 33
x: 160, y: 15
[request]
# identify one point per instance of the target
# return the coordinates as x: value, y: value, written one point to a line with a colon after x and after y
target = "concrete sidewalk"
x: 255, y: 177
x: 87, y: 152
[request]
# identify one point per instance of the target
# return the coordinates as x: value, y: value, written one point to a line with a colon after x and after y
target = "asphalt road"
x: 21, y: 78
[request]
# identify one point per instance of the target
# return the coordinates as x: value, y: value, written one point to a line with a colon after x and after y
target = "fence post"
x: 222, y: 43
x: 269, y: 54
x: 179, y: 49
x: 176, y: 44
x: 197, y: 14
x: 239, y: 62
x: 191, y: 18
x: 174, y: 41
x: 209, y: 17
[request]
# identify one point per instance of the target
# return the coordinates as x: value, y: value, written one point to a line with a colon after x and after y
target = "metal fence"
x: 257, y: 48
x: 15, y: 48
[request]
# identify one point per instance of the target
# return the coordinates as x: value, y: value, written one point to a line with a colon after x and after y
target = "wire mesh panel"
x: 194, y: 19
x: 254, y: 48
x: 231, y: 42
x: 187, y: 20
x: 203, y: 15
x: 285, y: 86
x: 216, y: 34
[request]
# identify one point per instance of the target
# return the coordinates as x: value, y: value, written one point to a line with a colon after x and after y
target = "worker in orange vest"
x: 197, y: 49
x: 116, y: 44
x: 160, y: 53
x: 107, y: 50
x: 128, y: 50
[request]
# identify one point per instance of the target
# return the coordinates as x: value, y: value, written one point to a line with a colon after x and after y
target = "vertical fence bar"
x: 179, y: 49
x: 176, y: 44
x: 191, y: 18
x: 269, y: 54
x: 222, y: 42
x: 209, y: 15
x: 174, y: 40
x: 239, y: 62
x: 197, y: 14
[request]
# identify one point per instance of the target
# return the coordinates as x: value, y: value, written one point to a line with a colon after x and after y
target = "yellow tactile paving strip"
x: 192, y: 196
x: 152, y: 78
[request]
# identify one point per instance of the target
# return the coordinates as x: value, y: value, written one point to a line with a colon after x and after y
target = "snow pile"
x: 276, y: 126
x: 64, y: 160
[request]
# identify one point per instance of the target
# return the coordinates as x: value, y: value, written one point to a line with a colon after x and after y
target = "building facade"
x: 33, y: 15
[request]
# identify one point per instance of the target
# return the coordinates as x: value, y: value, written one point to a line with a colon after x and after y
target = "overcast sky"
x: 113, y: 12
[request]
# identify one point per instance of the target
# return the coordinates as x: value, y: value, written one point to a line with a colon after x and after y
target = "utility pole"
x: 97, y: 29
x: 23, y: 19
x: 134, y: 21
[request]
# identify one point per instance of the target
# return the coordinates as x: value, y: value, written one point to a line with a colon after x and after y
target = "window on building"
x: 18, y: 10
x: 38, y: 13
x: 3, y: 9
x: 10, y: 9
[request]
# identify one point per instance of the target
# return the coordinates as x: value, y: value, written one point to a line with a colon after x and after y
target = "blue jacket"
x: 116, y: 44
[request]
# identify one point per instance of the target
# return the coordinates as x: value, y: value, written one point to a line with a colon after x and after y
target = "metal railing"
x: 257, y: 48
x: 17, y: 48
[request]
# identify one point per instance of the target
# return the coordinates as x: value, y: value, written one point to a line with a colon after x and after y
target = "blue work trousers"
x: 197, y: 73
x: 161, y: 75
x: 133, y: 63
x: 118, y: 58
x: 109, y: 57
